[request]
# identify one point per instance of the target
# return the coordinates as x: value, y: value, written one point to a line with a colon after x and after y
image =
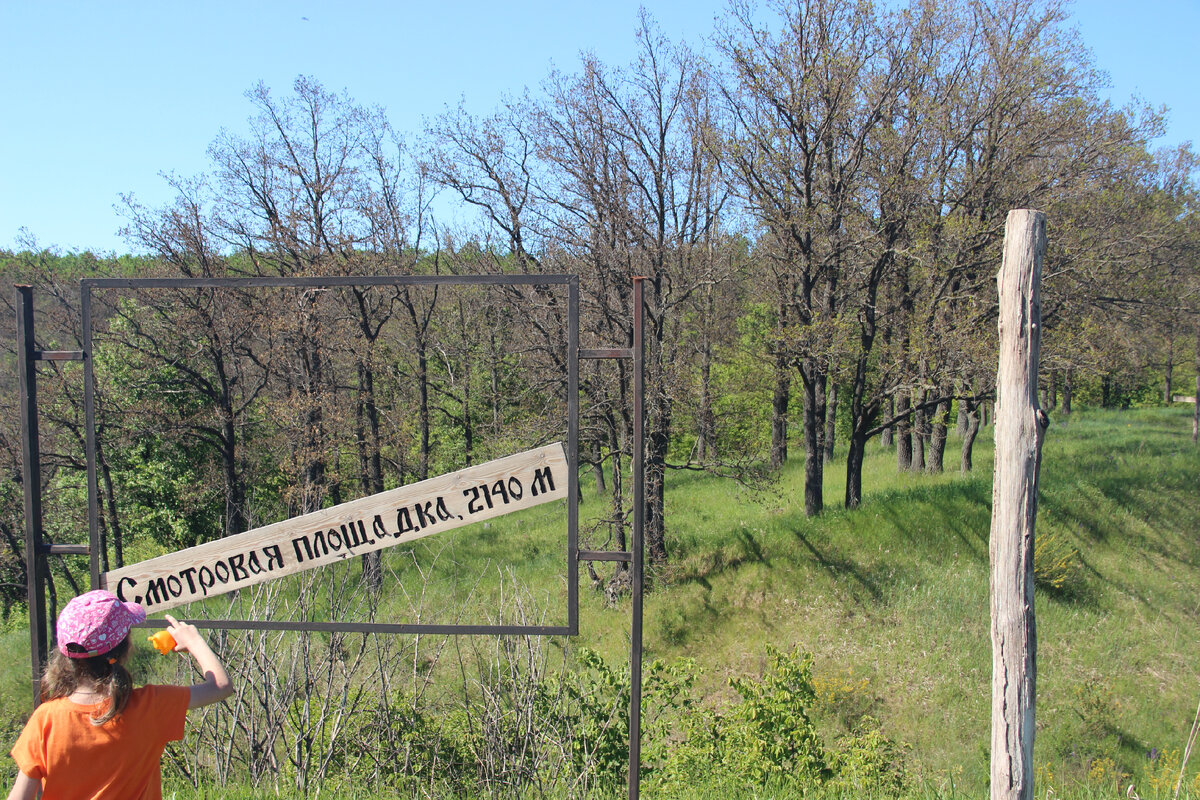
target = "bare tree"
x: 806, y: 103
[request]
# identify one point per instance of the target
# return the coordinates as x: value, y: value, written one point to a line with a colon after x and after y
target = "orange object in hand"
x: 163, y: 641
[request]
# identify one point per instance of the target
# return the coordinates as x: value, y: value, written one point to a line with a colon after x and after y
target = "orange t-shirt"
x: 76, y: 760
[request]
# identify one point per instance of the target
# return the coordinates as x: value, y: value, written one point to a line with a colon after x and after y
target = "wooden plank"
x: 399, y: 515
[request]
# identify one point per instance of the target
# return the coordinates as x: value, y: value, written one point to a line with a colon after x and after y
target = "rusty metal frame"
x: 37, y: 549
x: 570, y: 281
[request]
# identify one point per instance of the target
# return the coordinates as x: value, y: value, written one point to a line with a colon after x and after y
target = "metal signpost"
x: 350, y: 529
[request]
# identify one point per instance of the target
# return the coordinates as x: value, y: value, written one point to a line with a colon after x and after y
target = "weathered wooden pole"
x: 1019, y: 428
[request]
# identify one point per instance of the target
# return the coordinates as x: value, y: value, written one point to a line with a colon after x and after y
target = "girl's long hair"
x: 105, y: 672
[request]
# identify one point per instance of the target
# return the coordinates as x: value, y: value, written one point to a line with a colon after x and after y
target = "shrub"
x: 769, y: 739
x: 1104, y: 773
x: 592, y: 706
x: 1056, y: 565
x: 772, y: 733
x: 406, y: 746
x: 844, y: 698
x: 868, y: 764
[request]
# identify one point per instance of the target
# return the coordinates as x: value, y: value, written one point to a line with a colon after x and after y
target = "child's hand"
x: 216, y: 686
x: 185, y: 635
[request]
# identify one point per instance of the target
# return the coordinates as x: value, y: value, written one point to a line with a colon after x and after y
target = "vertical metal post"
x: 31, y: 476
x: 573, y: 455
x: 639, y: 519
x: 89, y: 416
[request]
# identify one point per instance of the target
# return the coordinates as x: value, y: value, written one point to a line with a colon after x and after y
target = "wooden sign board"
x: 351, y: 529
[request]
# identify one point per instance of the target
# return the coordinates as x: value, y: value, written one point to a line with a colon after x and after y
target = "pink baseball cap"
x: 97, y: 622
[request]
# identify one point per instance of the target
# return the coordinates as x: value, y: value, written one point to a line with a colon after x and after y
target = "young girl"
x: 94, y: 735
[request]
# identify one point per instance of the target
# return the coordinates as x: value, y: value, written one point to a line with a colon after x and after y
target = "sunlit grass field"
x: 891, y: 599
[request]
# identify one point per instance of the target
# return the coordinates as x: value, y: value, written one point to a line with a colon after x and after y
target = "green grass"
x: 896, y: 594
x: 891, y: 599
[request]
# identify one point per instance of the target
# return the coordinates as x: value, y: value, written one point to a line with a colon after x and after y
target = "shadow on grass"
x: 1129, y: 518
x: 700, y: 566
x: 1083, y: 509
x: 1117, y: 585
x: 961, y: 510
x: 840, y: 567
x: 751, y: 547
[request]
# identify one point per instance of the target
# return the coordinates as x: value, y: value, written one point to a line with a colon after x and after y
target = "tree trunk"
x: 960, y: 421
x: 494, y: 380
x: 658, y: 432
x: 468, y: 423
x: 1196, y: 396
x: 114, y: 522
x: 1169, y: 368
x: 313, y: 388
x: 1020, y: 428
x: 856, y: 448
x: 814, y: 420
x: 1068, y: 391
x: 360, y: 438
x: 370, y: 463
x: 314, y: 468
x: 968, y: 441
x: 779, y: 410
x: 618, y: 491
x: 863, y: 417
x: 235, y: 490
x: 598, y: 466
x: 937, y: 437
x: 920, y: 432
x: 830, y: 422
x: 903, y: 435
x: 886, y: 438
x: 423, y: 409
x: 657, y: 440
x: 374, y: 440
x: 619, y: 583
x: 706, y: 439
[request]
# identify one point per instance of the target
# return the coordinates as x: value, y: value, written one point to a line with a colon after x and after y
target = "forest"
x: 816, y: 200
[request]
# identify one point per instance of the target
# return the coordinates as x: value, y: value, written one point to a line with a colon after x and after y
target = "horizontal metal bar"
x: 605, y: 555
x: 67, y: 549
x: 374, y: 627
x: 326, y: 282
x: 58, y: 355
x: 607, y: 352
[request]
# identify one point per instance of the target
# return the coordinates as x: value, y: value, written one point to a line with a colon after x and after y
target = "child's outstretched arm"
x: 25, y: 787
x: 216, y: 686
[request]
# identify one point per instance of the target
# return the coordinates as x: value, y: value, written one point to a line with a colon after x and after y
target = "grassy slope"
x: 896, y: 593
x: 892, y: 599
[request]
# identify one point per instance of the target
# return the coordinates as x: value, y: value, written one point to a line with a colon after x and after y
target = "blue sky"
x: 99, y: 98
